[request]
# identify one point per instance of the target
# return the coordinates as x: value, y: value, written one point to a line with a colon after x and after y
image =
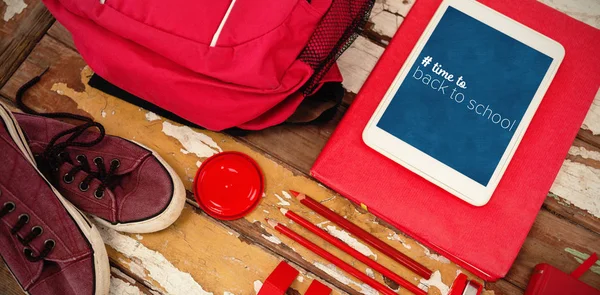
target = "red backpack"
x: 217, y: 64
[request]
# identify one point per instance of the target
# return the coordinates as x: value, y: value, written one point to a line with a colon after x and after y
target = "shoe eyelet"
x: 28, y: 252
x: 84, y: 188
x: 11, y: 205
x: 98, y: 161
x: 98, y: 194
x: 81, y: 158
x: 24, y: 216
x: 68, y: 178
x: 116, y: 163
x: 39, y: 229
x: 63, y: 155
x: 50, y: 242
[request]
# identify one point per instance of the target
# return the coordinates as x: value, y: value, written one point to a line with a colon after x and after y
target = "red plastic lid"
x: 228, y: 185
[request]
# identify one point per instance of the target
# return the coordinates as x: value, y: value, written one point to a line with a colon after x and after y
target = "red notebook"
x: 484, y: 240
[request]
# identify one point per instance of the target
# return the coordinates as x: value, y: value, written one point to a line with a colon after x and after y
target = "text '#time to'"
x: 440, y: 79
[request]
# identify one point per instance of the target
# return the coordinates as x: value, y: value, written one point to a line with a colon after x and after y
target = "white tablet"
x: 461, y: 103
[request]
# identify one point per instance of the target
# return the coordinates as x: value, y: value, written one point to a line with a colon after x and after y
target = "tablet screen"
x: 464, y: 97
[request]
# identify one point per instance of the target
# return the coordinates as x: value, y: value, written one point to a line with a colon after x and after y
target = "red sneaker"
x: 123, y: 184
x: 48, y: 245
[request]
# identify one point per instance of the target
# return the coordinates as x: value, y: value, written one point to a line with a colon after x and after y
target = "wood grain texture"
x: 8, y: 285
x: 20, y: 34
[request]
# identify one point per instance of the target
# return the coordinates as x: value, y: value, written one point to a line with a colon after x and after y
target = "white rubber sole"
x: 89, y: 230
x: 166, y: 217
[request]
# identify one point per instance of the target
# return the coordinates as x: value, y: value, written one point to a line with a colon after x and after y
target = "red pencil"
x: 338, y: 262
x: 361, y: 257
x: 363, y: 235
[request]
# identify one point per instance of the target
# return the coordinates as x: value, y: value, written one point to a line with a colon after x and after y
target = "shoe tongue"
x: 41, y: 129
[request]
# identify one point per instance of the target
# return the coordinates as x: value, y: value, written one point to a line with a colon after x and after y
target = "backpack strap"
x: 585, y: 266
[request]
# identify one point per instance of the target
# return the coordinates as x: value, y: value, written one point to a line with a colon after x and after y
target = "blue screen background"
x: 499, y: 71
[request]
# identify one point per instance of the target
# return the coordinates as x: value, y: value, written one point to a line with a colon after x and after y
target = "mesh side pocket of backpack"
x: 334, y: 34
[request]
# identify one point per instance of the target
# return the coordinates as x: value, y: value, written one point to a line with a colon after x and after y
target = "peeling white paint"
x: 396, y: 237
x: 183, y: 151
x: 266, y: 211
x: 153, y: 263
x: 286, y: 195
x: 120, y: 287
x: 579, y: 185
x: 103, y: 114
x: 584, y: 153
x: 351, y: 241
x: 194, y: 142
x: 321, y: 224
x: 150, y: 116
x: 136, y: 269
x: 272, y: 239
x: 227, y: 293
x: 13, y: 7
x: 333, y: 271
x: 139, y: 237
x: 257, y: 285
x: 198, y: 163
x: 357, y: 62
x: 300, y: 278
x: 282, y: 202
x: 435, y: 281
x: 384, y: 22
x: 370, y: 273
x: 432, y: 256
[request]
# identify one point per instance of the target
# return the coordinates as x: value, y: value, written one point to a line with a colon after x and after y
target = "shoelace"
x: 55, y: 153
x: 36, y: 231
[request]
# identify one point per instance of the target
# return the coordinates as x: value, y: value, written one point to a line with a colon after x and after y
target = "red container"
x: 228, y: 185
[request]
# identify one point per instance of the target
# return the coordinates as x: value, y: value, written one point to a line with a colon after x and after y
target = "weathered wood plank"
x: 575, y: 191
x: 503, y: 287
x: 22, y: 25
x: 60, y: 33
x: 8, y: 285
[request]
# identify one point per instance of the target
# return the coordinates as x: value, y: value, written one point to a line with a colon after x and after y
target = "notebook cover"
x: 548, y: 280
x: 485, y: 240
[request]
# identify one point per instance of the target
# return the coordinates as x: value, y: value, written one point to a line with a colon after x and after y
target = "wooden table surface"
x: 201, y: 255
